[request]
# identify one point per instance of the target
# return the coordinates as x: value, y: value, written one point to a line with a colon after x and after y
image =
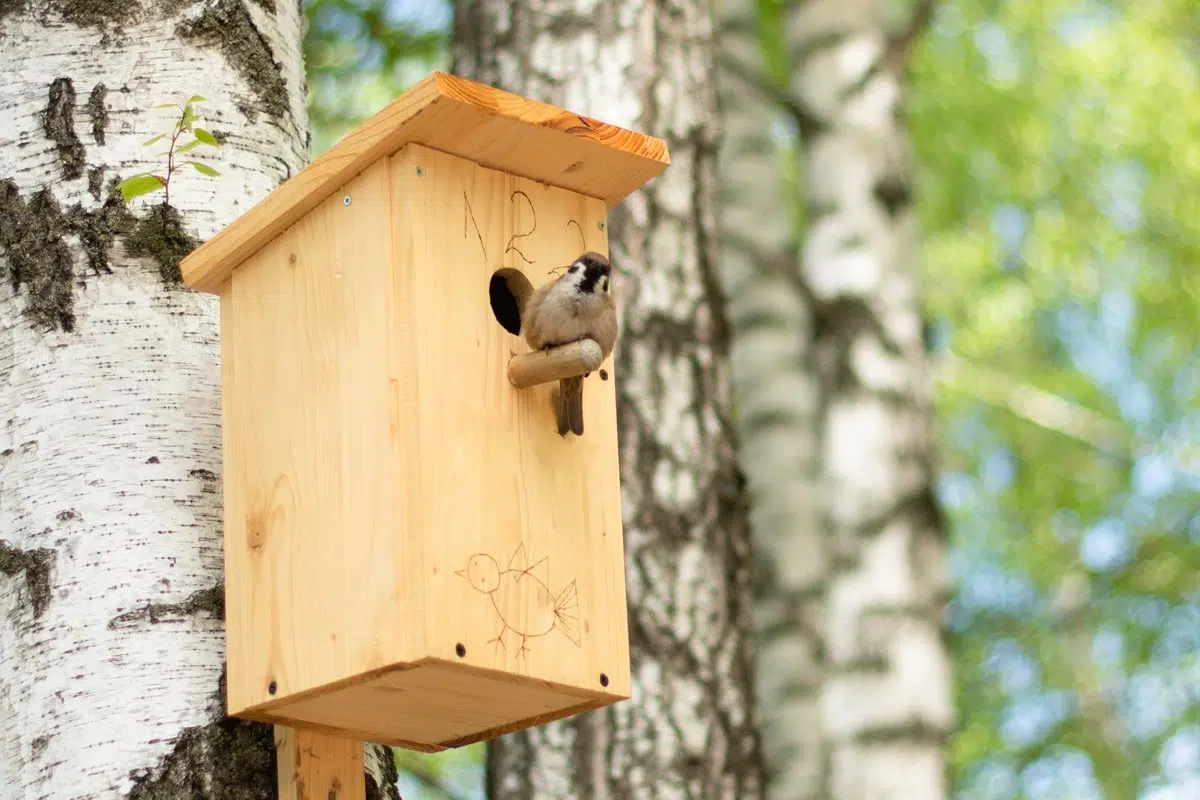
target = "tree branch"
x: 900, y: 46
x: 1042, y: 408
x: 806, y: 121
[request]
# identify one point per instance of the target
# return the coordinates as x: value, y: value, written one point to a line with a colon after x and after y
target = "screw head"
x: 346, y: 200
x: 420, y: 172
x: 460, y: 649
x: 272, y: 688
x: 603, y: 679
x: 600, y: 225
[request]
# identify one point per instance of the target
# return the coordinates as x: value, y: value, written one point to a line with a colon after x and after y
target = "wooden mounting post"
x: 316, y: 766
x: 556, y: 363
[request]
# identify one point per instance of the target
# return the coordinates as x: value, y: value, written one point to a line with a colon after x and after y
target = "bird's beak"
x: 462, y: 573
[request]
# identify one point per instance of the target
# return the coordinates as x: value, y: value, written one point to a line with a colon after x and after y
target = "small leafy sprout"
x: 147, y: 182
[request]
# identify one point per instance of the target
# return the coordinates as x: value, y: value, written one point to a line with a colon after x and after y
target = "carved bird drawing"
x: 522, y: 598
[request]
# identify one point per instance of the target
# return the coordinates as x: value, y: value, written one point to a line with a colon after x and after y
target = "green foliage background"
x: 1059, y: 189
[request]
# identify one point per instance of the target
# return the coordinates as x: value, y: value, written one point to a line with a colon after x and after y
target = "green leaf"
x: 138, y: 185
x: 206, y: 137
x: 149, y: 142
x: 192, y: 145
x: 167, y: 105
x: 197, y: 99
x: 204, y: 169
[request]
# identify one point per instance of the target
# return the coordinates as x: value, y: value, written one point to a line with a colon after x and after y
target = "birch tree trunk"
x: 777, y: 399
x: 854, y: 677
x: 111, y: 600
x: 886, y: 697
x: 689, y: 730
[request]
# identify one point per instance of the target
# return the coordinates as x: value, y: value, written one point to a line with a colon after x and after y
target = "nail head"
x: 420, y: 172
x: 458, y: 648
x: 603, y: 679
x: 346, y: 200
x: 601, y: 224
x: 272, y: 688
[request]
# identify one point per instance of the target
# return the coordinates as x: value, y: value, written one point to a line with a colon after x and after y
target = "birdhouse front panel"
x: 414, y: 555
x: 521, y: 561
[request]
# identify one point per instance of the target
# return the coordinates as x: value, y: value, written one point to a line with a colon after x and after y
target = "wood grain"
x: 545, y: 366
x: 312, y: 526
x: 317, y: 766
x: 494, y: 128
x: 413, y: 554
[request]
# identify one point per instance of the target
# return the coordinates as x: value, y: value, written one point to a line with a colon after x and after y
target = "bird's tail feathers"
x: 570, y: 406
x: 566, y: 613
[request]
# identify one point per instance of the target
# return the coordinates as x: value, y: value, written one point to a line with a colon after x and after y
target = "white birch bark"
x: 886, y: 698
x: 689, y: 730
x: 777, y: 400
x: 111, y: 601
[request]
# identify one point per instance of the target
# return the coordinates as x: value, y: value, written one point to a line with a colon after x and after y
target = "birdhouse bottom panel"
x: 431, y: 705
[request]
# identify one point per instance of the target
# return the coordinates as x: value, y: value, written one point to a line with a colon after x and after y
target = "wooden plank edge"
x: 531, y: 722
x: 318, y: 691
x: 535, y: 112
x: 207, y: 267
x: 425, y: 747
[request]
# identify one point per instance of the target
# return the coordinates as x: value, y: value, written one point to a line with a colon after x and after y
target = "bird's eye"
x: 574, y: 268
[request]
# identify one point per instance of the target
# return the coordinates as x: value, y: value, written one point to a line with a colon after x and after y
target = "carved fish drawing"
x: 522, y: 598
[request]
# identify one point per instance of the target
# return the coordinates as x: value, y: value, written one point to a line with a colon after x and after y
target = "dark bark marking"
x: 854, y: 241
x: 914, y: 732
x: 37, y: 255
x: 894, y: 195
x: 266, y: 5
x: 390, y: 776
x: 58, y: 123
x: 205, y: 601
x: 228, y: 759
x: 97, y: 228
x: 99, y: 13
x: 228, y: 26
x: 95, y: 182
x: 98, y: 111
x: 160, y: 236
x: 36, y: 566
x: 10, y: 7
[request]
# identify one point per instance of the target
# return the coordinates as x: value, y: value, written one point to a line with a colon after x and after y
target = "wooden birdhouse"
x: 413, y: 555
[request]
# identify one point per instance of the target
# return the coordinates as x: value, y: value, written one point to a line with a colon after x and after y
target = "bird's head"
x: 482, y: 572
x: 590, y: 273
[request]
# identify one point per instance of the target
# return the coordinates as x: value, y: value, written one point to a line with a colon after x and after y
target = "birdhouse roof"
x: 491, y: 127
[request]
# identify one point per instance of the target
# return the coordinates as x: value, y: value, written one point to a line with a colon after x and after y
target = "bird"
x: 577, y: 305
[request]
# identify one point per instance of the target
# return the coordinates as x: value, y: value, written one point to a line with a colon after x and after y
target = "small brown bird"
x: 576, y: 306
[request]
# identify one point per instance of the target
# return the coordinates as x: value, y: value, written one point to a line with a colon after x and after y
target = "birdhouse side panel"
x: 311, y: 523
x: 523, y: 568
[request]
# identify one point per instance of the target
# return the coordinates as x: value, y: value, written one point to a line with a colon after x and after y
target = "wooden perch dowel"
x: 544, y: 366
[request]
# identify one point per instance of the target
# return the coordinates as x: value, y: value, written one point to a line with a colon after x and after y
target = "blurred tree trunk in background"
x: 111, y: 594
x: 689, y: 729
x: 875, y: 561
x: 776, y: 397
